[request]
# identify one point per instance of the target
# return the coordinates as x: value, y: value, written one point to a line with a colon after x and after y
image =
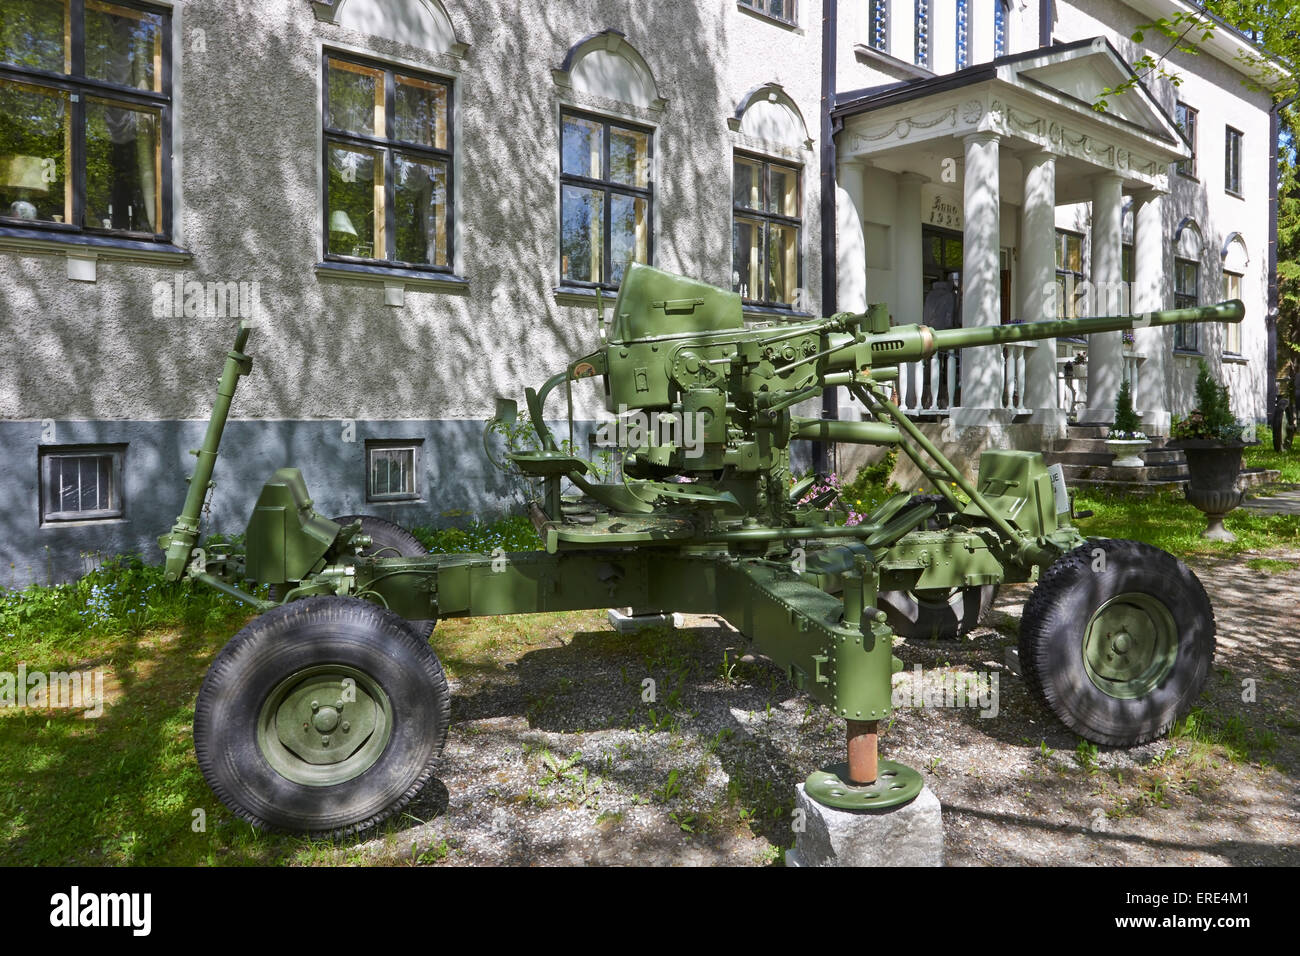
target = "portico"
x: 968, y: 177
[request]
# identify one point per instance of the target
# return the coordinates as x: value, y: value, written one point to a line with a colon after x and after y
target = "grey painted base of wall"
x: 457, y: 482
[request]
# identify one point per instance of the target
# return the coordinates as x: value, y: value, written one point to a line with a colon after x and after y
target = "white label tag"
x: 1057, y: 474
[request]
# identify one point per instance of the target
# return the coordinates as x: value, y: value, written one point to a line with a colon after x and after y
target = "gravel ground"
x: 557, y: 756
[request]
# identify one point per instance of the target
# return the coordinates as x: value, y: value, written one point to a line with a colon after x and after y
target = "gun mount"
x: 701, y: 514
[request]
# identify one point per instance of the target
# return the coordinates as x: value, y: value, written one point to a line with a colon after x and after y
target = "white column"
x: 981, y: 290
x: 909, y: 297
x: 850, y: 244
x: 1038, y: 284
x: 1105, y: 348
x: 851, y: 256
x: 1150, y: 293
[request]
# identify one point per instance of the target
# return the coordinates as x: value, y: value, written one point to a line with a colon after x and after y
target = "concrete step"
x: 1152, y: 456
x: 1162, y: 473
x: 1250, y: 478
x: 1099, y: 445
x: 1138, y: 488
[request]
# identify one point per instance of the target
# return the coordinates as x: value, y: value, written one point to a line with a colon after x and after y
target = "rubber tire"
x: 291, y: 638
x: 389, y: 537
x: 1055, y: 621
x: 920, y: 619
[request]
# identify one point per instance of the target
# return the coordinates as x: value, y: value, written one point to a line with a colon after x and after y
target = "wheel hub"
x: 324, y: 725
x: 1130, y: 645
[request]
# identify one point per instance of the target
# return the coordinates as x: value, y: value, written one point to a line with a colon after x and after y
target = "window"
x: 388, y: 149
x: 1232, y: 161
x: 1187, y: 281
x: 1232, y: 330
x: 1069, y: 273
x: 85, y: 117
x: 782, y: 10
x: 392, y: 470
x: 1001, y: 14
x: 941, y: 259
x: 922, y: 33
x: 963, y: 34
x: 605, y: 194
x: 1185, y: 117
x: 879, y: 38
x: 765, y: 231
x: 81, y: 483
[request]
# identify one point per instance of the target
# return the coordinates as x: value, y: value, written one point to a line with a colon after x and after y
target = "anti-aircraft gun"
x: 328, y: 711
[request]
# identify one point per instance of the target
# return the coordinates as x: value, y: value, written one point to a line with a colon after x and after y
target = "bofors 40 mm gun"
x: 328, y: 711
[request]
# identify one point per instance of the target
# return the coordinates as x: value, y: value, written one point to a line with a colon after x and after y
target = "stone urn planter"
x: 1127, y: 451
x: 1212, y: 489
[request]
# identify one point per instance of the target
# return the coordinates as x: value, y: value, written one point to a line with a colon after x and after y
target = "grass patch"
x: 1271, y: 565
x: 1263, y: 456
x: 1167, y: 521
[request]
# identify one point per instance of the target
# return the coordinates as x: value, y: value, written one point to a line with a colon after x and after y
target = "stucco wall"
x: 92, y: 357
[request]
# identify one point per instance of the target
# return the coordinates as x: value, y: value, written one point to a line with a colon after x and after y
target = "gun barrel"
x: 185, y: 533
x: 1230, y: 311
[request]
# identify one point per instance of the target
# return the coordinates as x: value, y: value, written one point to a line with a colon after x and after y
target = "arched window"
x: 767, y: 199
x: 963, y: 34
x: 1236, y: 258
x: 1188, y: 243
x: 606, y: 181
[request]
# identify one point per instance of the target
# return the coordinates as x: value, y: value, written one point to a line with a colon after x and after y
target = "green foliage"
x: 1212, y: 417
x: 1127, y: 424
x: 122, y: 596
x: 869, y: 487
x: 1176, y: 33
x: 512, y: 533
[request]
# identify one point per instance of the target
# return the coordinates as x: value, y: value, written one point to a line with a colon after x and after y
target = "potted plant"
x: 1210, y: 437
x: 1126, y: 440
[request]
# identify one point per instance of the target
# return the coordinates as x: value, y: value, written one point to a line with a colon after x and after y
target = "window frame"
x: 80, y: 88
x: 1232, y: 163
x: 878, y: 25
x: 115, y: 452
x: 607, y: 187
x: 388, y: 145
x: 1001, y: 27
x: 1061, y: 243
x: 921, y: 15
x: 413, y: 445
x: 961, y: 34
x: 1232, y: 330
x: 1184, y: 331
x: 761, y: 8
x: 1187, y: 167
x: 766, y: 218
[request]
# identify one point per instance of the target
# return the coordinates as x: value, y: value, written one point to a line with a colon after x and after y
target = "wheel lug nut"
x: 338, y: 704
x: 346, y: 726
x: 315, y: 705
x: 325, y: 740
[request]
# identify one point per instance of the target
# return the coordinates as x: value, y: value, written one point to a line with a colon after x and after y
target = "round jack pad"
x: 895, y: 785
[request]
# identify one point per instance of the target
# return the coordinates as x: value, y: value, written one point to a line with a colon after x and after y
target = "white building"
x: 418, y: 200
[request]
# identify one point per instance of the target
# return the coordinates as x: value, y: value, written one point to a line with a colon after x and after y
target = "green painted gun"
x: 327, y: 712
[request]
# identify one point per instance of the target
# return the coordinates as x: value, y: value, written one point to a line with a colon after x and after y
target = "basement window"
x: 81, y: 483
x: 393, y: 470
